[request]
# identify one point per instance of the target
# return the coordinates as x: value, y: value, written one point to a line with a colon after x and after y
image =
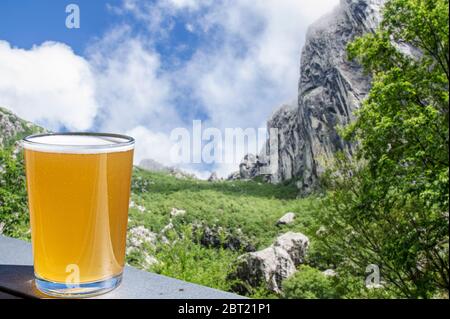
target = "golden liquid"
x: 79, y: 213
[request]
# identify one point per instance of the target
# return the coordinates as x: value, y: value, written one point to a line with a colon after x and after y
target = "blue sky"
x: 33, y: 22
x: 25, y: 23
x: 146, y: 67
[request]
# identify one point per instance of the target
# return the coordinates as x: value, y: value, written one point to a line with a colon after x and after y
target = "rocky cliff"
x: 330, y: 89
x: 13, y: 128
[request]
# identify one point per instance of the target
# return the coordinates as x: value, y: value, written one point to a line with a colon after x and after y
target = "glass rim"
x: 123, y: 142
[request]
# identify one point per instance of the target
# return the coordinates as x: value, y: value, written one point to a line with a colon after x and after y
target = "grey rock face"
x: 286, y: 219
x: 250, y: 167
x: 234, y: 176
x: 331, y: 88
x: 270, y: 266
x: 12, y: 128
x: 273, y: 264
x: 296, y: 245
x: 217, y: 236
x: 213, y: 177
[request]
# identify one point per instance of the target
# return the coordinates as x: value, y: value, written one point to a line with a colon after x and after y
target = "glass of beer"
x: 78, y: 194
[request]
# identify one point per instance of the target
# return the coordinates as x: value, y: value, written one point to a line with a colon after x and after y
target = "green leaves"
x: 13, y: 203
x: 309, y: 283
x: 385, y: 206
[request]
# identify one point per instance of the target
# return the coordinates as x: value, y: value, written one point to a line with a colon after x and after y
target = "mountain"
x: 151, y: 165
x: 330, y: 89
x: 13, y: 128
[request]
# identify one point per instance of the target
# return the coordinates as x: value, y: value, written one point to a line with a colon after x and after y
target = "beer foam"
x: 78, y: 144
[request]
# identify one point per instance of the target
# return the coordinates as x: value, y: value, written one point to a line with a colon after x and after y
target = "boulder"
x: 217, y: 236
x: 213, y: 177
x: 234, y: 176
x: 286, y: 219
x: 271, y: 265
x: 295, y: 244
x: 177, y: 212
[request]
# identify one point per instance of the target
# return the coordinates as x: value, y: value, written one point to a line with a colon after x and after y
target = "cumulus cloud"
x: 250, y: 63
x: 48, y: 84
x: 131, y: 89
x: 253, y: 65
x: 150, y: 144
x: 245, y: 62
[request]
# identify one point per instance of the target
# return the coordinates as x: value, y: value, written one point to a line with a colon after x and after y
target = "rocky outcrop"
x: 331, y: 88
x: 273, y: 264
x: 286, y: 219
x: 218, y: 236
x: 295, y: 244
x: 13, y: 128
x: 213, y: 177
x: 250, y: 167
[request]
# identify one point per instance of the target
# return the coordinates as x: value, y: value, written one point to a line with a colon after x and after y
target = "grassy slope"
x: 254, y: 207
x: 248, y: 205
x: 251, y: 206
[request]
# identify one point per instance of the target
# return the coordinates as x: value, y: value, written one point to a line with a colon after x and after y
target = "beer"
x: 78, y: 192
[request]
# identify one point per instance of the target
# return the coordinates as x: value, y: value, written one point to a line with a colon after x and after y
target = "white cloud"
x: 131, y: 88
x: 247, y: 64
x: 158, y: 146
x: 48, y: 84
x: 186, y: 4
x: 149, y: 144
x: 254, y: 64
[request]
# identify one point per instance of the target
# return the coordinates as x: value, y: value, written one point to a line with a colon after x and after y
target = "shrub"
x: 309, y: 283
x: 13, y: 197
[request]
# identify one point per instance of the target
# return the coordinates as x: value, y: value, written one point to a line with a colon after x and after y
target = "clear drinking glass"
x: 78, y: 193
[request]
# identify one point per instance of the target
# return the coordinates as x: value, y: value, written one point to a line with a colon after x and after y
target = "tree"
x: 389, y: 204
x: 13, y: 197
